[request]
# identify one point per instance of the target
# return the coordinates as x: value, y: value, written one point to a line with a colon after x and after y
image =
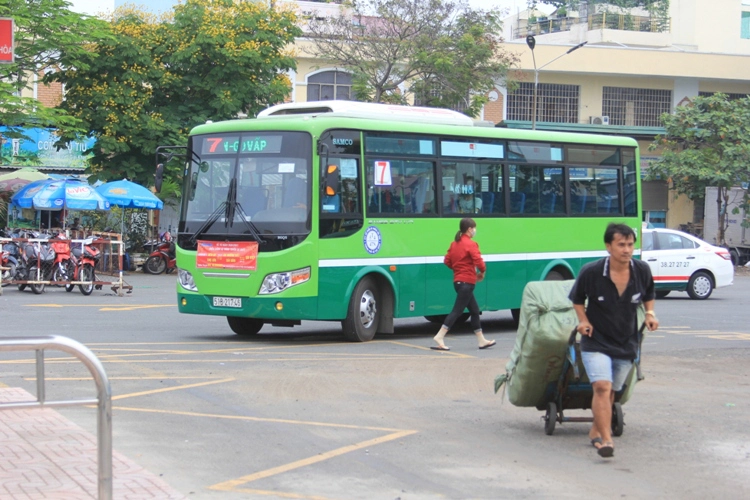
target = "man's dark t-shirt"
x: 613, y: 317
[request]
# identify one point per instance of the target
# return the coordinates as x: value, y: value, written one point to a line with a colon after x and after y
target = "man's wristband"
x: 652, y: 313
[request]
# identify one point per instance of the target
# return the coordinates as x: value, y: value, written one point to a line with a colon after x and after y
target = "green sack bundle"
x: 546, y: 322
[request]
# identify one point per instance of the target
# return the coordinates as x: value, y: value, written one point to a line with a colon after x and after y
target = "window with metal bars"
x: 635, y: 107
x: 554, y: 103
x: 731, y: 96
x: 330, y: 85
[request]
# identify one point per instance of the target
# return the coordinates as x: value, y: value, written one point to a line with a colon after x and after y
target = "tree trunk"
x: 722, y: 198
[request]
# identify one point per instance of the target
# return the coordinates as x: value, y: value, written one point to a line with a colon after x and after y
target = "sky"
x: 94, y: 6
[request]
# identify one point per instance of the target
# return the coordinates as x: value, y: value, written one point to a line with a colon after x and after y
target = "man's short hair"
x: 617, y: 228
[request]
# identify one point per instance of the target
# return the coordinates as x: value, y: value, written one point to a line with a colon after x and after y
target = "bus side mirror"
x: 332, y: 180
x: 159, y: 177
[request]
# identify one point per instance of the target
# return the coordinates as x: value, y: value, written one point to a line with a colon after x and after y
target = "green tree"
x: 706, y: 143
x: 47, y: 32
x: 443, y: 53
x: 159, y: 77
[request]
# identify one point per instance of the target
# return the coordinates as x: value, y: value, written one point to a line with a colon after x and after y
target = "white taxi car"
x: 682, y: 262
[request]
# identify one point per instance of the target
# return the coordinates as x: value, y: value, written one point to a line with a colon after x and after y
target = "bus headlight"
x: 278, y: 282
x: 186, y: 280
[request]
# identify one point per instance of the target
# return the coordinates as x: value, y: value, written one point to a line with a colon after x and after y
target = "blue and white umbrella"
x: 59, y: 194
x: 128, y: 194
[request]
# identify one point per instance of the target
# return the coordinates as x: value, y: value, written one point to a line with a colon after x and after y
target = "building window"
x: 555, y: 103
x: 731, y: 96
x: 745, y: 25
x: 635, y: 107
x: 330, y: 85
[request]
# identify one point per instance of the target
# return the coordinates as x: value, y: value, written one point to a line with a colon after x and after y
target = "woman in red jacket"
x: 468, y: 267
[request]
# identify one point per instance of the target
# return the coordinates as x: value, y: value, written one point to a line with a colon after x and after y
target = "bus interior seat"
x: 253, y: 199
x: 517, y: 202
x: 294, y: 192
x: 499, y: 204
x: 449, y: 202
x: 331, y: 204
x: 548, y: 203
x: 385, y: 202
x: 488, y: 202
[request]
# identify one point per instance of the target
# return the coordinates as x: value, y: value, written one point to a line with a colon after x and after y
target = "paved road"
x: 300, y: 413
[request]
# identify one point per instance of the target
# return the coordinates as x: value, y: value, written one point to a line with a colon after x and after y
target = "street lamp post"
x: 531, y: 42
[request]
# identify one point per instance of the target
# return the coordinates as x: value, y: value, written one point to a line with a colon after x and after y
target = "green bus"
x: 343, y: 211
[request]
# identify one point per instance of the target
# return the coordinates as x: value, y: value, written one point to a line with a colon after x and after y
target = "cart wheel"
x: 617, y: 420
x: 550, y: 418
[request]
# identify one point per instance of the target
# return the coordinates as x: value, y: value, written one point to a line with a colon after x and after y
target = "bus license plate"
x: 227, y: 302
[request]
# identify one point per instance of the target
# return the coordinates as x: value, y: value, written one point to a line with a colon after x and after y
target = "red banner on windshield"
x: 227, y: 255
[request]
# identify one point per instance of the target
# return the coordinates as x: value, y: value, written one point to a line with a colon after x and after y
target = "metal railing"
x: 103, y: 394
x: 603, y: 20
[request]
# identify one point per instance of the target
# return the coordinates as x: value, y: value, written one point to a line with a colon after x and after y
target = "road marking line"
x: 118, y: 360
x: 423, y: 348
x: 169, y: 389
x: 259, y: 419
x: 279, y: 494
x: 143, y: 306
x: 233, y: 484
x: 84, y: 379
x: 730, y: 336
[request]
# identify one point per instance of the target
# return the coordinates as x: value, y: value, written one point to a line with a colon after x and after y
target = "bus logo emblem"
x: 372, y: 240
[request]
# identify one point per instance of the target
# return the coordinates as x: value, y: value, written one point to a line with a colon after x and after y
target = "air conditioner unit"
x: 599, y: 120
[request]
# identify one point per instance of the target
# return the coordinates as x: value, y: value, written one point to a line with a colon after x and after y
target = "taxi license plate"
x: 228, y: 302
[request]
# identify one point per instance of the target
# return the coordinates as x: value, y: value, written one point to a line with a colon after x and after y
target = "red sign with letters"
x: 6, y: 40
x: 227, y: 255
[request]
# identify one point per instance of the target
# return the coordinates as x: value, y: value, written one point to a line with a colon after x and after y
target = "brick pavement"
x: 43, y: 455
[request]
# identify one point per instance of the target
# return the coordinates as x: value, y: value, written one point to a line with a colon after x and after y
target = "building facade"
x: 634, y: 66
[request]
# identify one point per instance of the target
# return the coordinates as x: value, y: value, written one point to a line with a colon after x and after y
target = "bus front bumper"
x: 266, y: 308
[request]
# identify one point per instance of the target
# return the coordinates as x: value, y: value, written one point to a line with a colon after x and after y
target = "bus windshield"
x: 242, y: 185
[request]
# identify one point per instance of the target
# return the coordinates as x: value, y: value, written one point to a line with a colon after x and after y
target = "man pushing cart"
x: 607, y: 303
x: 606, y: 297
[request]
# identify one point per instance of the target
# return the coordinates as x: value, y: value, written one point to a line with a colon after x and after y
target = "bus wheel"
x: 362, y: 319
x: 244, y: 326
x: 554, y: 276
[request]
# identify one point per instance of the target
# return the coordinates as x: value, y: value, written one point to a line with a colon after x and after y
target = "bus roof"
x: 370, y: 110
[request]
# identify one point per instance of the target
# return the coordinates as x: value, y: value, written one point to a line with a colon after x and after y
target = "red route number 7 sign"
x: 6, y: 40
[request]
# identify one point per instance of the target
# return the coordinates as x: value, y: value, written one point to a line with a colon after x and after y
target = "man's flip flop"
x: 440, y: 348
x: 596, y: 441
x: 606, y: 451
x: 492, y: 342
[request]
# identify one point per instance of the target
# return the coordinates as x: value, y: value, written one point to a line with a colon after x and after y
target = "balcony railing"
x: 603, y: 20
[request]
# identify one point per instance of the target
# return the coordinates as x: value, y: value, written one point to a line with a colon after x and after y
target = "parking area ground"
x: 299, y: 413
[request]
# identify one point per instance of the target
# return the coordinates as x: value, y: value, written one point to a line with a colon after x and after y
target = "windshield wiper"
x: 229, y: 208
x: 233, y: 207
x: 250, y: 226
x: 209, y: 222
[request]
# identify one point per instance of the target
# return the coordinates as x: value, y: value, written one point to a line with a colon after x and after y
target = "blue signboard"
x: 39, y: 150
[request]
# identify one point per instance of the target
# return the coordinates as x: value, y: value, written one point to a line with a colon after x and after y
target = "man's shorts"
x: 601, y: 367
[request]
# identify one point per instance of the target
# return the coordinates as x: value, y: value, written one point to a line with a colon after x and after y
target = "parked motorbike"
x: 11, y: 253
x: 162, y: 258
x: 65, y: 265
x: 86, y: 256
x: 40, y: 257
